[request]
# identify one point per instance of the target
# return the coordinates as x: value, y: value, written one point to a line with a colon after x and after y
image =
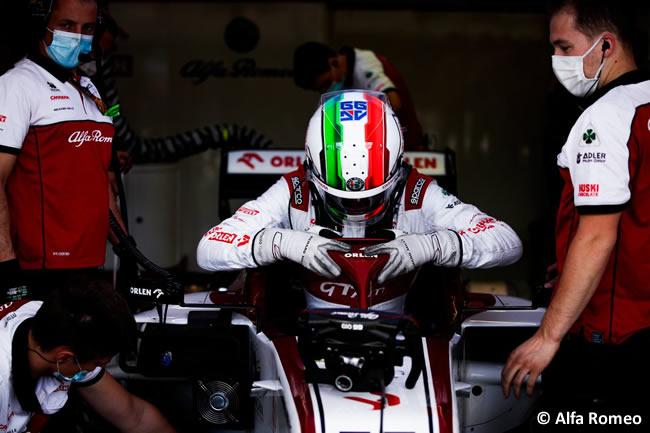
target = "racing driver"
x: 354, y: 182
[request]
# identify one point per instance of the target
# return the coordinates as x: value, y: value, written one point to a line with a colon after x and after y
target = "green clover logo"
x: 589, y: 136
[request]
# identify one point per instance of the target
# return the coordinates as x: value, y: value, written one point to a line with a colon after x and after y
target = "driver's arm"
x: 227, y: 246
x: 122, y: 409
x: 486, y: 241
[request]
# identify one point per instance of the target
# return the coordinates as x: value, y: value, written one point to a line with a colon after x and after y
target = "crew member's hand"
x: 530, y: 358
x: 125, y: 160
x: 551, y: 276
x: 307, y: 248
x: 410, y: 251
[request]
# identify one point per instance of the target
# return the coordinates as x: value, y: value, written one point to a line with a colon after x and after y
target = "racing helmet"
x: 354, y: 149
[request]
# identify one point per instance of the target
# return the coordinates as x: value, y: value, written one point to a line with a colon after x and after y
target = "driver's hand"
x: 307, y: 248
x: 410, y: 251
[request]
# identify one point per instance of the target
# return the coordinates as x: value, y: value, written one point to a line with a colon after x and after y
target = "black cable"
x: 382, y: 403
x: 126, y: 245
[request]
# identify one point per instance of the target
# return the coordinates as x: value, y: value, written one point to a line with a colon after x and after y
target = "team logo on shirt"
x: 82, y: 137
x: 53, y: 87
x: 589, y: 137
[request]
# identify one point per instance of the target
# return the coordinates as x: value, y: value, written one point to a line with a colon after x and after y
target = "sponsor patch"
x: 53, y: 87
x: 243, y: 240
x: 588, y: 190
x: 247, y: 211
x: 453, y: 204
x: 481, y: 226
x: 417, y: 191
x: 586, y: 157
x: 58, y: 97
x: 220, y: 236
x: 297, y: 191
x: 3, y: 119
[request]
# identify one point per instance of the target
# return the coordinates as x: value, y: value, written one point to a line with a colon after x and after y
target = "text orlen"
x: 82, y: 137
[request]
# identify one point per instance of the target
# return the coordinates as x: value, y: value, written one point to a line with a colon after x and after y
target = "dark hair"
x: 309, y: 61
x: 593, y: 17
x: 91, y: 319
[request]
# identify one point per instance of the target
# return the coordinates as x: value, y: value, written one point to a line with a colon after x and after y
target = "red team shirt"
x: 605, y: 164
x: 58, y: 190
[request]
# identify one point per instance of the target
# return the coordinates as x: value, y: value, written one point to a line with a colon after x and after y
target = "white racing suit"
x: 423, y: 207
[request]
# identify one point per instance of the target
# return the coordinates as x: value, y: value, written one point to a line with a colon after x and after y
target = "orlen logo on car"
x: 588, y: 190
x: 254, y: 159
x: 82, y: 137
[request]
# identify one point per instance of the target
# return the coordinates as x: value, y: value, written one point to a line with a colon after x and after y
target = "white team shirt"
x: 50, y: 392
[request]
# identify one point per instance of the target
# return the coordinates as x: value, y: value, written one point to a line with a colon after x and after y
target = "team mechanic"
x: 55, y: 150
x: 354, y: 182
x: 602, y: 299
x: 60, y: 346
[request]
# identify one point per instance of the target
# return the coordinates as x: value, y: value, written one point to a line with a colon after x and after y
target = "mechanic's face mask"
x: 570, y: 71
x: 66, y: 47
x: 81, y: 375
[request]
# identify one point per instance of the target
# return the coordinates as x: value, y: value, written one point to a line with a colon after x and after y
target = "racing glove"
x: 410, y: 251
x: 307, y: 248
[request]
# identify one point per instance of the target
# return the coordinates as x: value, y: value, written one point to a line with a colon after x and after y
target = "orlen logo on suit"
x: 82, y: 137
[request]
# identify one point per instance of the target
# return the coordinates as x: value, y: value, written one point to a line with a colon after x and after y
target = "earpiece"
x: 606, y: 46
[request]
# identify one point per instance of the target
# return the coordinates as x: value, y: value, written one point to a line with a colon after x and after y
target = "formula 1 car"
x: 249, y: 357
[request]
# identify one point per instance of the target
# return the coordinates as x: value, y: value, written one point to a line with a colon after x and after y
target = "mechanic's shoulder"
x: 616, y: 102
x: 20, y: 78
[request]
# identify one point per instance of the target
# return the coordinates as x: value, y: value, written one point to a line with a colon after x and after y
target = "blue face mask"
x: 66, y: 47
x: 336, y: 86
x: 81, y: 375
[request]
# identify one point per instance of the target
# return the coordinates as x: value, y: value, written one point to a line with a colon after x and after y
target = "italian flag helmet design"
x: 354, y: 149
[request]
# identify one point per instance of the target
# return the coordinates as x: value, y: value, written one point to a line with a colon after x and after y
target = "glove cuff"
x: 447, y: 248
x: 266, y: 247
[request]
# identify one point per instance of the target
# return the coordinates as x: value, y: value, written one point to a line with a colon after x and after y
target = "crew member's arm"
x: 586, y: 261
x: 7, y: 162
x: 122, y: 409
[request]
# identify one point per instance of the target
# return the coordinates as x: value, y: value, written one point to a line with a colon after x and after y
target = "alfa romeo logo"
x: 589, y: 136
